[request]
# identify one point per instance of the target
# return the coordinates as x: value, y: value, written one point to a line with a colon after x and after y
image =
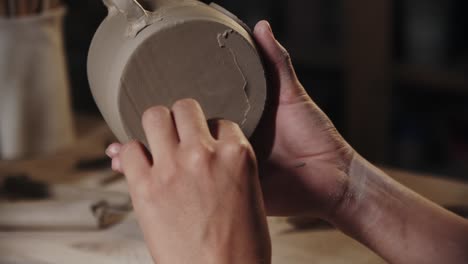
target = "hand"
x: 308, y: 168
x: 303, y: 159
x: 197, y: 196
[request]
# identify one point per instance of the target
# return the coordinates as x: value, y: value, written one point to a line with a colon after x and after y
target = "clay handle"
x: 132, y: 9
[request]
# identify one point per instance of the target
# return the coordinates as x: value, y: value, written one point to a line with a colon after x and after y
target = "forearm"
x: 398, y: 224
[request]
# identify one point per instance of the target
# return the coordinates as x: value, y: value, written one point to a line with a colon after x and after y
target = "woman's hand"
x: 304, y: 161
x: 197, y: 194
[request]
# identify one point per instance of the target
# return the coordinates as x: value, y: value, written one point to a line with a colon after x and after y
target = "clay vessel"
x: 155, y: 52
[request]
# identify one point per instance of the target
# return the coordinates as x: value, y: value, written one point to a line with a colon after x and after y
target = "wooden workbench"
x: 124, y: 244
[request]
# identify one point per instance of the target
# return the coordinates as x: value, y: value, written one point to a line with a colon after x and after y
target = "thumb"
x: 278, y: 58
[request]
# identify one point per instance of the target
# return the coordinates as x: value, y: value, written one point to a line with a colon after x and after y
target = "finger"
x: 160, y: 130
x: 116, y: 165
x: 278, y: 57
x: 113, y: 150
x: 190, y: 121
x: 224, y: 130
x: 133, y: 160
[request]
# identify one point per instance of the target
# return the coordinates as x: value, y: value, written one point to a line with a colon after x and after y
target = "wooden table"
x: 124, y: 244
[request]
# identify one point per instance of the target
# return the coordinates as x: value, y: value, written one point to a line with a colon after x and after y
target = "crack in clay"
x: 222, y: 37
x: 244, y: 88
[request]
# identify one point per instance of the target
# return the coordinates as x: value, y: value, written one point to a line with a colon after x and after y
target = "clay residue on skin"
x: 300, y: 165
x: 222, y: 38
x: 359, y: 172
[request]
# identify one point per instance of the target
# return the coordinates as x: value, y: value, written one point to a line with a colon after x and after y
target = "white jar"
x: 35, y: 107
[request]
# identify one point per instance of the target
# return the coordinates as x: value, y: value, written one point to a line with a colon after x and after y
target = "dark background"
x: 392, y: 75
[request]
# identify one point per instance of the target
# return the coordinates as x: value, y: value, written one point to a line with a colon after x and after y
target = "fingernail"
x: 113, y: 150
x: 269, y: 27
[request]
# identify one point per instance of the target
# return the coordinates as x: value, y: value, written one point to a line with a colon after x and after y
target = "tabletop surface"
x: 123, y: 243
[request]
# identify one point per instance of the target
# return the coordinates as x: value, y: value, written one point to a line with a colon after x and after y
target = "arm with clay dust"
x: 395, y: 222
x: 311, y: 169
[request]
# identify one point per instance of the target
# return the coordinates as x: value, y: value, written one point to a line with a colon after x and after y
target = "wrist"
x: 395, y: 222
x: 364, y: 201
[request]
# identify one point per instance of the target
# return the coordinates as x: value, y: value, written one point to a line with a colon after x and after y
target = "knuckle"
x: 168, y: 176
x: 200, y: 154
x: 236, y: 148
x: 155, y: 113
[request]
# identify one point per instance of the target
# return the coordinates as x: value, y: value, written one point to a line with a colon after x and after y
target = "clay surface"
x: 186, y: 50
x: 202, y: 60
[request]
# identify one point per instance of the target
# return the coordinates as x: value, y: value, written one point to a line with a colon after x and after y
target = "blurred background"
x: 392, y: 75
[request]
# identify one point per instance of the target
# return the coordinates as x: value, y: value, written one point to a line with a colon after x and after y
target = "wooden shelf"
x: 432, y: 78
